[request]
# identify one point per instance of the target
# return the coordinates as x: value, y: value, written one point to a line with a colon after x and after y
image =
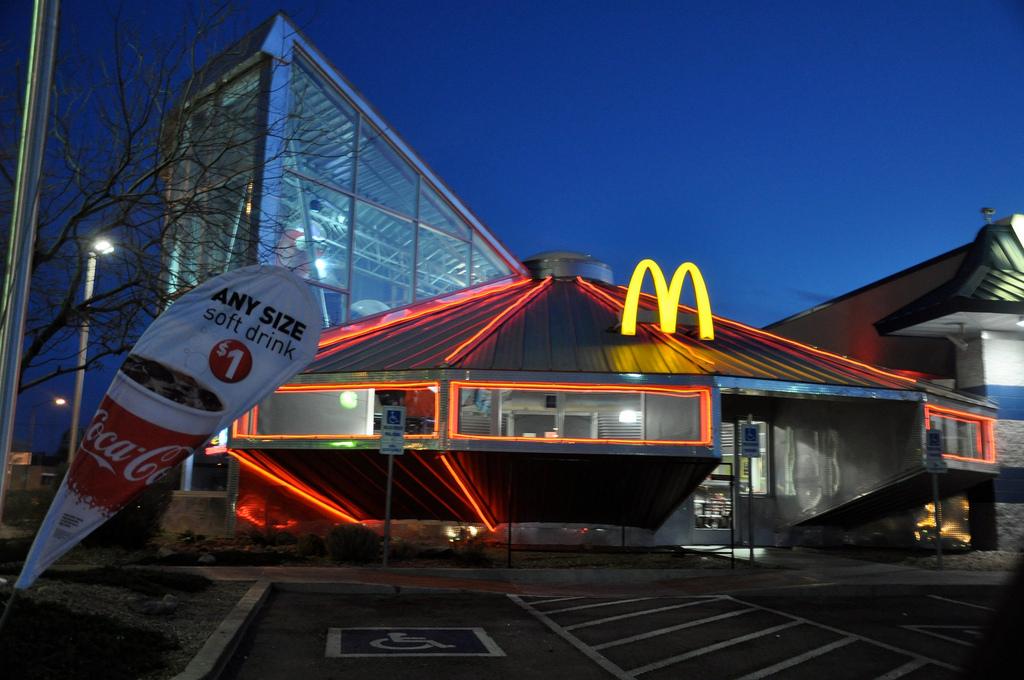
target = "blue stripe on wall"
x: 1009, y: 485
x: 1009, y: 399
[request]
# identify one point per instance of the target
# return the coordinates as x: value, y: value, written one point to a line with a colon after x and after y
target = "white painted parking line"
x: 844, y: 633
x: 533, y: 603
x: 645, y: 612
x: 908, y: 667
x: 672, y: 629
x: 594, y: 606
x: 584, y: 649
x: 711, y: 648
x: 973, y: 631
x: 966, y: 604
x: 797, y: 660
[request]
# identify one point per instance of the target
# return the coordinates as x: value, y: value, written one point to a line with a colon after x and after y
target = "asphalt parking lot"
x: 473, y: 635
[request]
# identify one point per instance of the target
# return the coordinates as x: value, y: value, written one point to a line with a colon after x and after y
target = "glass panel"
x: 435, y: 211
x: 486, y: 263
x: 610, y: 416
x: 672, y: 418
x: 322, y: 133
x: 959, y: 437
x: 340, y: 412
x: 442, y: 264
x: 526, y: 413
x: 383, y: 176
x: 382, y: 262
x: 210, y: 190
x: 565, y: 414
x: 333, y: 305
x: 314, y: 235
x: 712, y: 507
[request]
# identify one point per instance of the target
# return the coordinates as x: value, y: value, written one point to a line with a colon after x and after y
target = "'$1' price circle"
x: 230, y: 361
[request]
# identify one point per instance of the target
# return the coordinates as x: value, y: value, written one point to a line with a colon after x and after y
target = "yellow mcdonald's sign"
x: 668, y: 298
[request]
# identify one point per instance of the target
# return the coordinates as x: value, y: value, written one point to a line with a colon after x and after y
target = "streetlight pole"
x: 100, y: 247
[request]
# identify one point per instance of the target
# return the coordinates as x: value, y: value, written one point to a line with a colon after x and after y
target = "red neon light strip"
x: 469, y: 344
x: 385, y: 322
x: 305, y: 495
x: 984, y: 431
x: 328, y: 387
x: 701, y: 392
x: 465, y: 490
x: 779, y: 338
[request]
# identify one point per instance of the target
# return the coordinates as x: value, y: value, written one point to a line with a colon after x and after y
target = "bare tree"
x: 156, y: 154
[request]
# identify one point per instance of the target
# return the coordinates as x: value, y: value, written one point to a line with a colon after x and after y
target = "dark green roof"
x: 990, y: 279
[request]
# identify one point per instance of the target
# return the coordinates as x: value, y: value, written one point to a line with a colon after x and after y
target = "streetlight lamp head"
x: 60, y: 401
x: 102, y: 246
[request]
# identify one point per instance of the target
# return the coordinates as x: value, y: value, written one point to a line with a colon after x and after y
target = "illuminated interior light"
x: 348, y: 399
x: 359, y: 329
x: 516, y: 305
x: 465, y: 490
x: 628, y: 416
x: 668, y: 298
x: 347, y: 444
x: 305, y: 495
x: 473, y: 531
x: 321, y: 267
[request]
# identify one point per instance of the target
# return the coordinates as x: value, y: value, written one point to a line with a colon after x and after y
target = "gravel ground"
x: 195, y: 618
x: 978, y: 560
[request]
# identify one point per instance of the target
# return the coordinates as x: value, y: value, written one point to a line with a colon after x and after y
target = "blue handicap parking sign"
x: 394, y: 417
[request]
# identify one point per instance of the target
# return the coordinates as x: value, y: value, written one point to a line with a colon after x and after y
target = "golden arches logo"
x: 668, y: 295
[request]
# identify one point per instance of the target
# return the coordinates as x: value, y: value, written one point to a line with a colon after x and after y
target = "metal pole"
x: 508, y: 515
x: 387, y: 509
x: 733, y: 507
x: 83, y: 353
x: 938, y: 520
x: 750, y: 497
x: 24, y: 216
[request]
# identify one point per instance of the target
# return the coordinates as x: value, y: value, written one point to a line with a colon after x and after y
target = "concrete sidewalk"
x: 776, y: 569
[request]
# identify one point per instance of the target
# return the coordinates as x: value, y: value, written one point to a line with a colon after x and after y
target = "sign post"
x: 750, y: 448
x: 392, y: 443
x: 934, y: 463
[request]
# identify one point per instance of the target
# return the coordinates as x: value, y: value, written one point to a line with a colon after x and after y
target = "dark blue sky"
x: 793, y: 150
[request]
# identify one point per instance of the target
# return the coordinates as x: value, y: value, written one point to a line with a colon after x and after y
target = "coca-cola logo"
x: 122, y: 456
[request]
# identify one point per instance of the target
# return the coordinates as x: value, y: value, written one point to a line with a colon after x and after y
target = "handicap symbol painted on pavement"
x: 401, y: 641
x: 407, y: 643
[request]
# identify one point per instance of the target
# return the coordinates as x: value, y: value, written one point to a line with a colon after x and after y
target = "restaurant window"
x: 602, y: 413
x: 963, y: 434
x: 338, y: 411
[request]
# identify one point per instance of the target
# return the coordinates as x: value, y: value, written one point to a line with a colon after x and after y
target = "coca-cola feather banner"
x: 215, y: 353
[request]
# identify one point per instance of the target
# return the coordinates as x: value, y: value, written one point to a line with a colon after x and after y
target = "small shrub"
x: 472, y: 554
x: 352, y: 543
x: 14, y: 549
x: 137, y: 523
x: 285, y: 538
x: 311, y: 545
x: 256, y: 537
x: 403, y: 550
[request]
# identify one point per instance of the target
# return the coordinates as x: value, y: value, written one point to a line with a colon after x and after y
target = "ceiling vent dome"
x: 567, y: 264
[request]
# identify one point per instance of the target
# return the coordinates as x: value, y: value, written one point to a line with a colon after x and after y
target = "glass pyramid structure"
x: 277, y: 159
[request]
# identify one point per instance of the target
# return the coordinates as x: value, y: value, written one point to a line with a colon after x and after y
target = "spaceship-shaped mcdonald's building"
x: 543, y: 402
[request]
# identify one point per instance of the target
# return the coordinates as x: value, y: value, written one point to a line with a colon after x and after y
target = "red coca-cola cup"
x: 134, y: 438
